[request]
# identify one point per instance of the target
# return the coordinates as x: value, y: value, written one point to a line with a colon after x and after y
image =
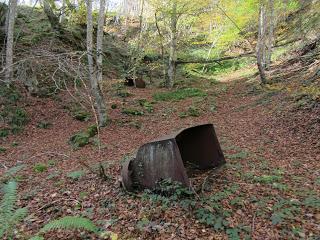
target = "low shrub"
x: 179, y: 94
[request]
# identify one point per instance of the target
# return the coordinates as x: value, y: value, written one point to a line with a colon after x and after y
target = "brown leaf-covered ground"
x: 269, y: 188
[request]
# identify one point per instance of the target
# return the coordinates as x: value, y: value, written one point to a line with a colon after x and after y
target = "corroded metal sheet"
x: 166, y: 157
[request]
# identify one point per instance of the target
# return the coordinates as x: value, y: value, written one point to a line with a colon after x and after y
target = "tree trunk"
x: 161, y: 46
x: 89, y: 40
x: 101, y: 19
x: 261, y: 46
x: 139, y: 46
x: 53, y: 19
x: 9, y: 43
x: 214, y: 42
x: 141, y: 18
x: 62, y: 16
x: 96, y: 92
x: 270, y: 33
x: 173, y: 46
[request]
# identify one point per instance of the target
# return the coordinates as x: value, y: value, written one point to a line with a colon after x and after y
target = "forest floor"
x: 269, y: 188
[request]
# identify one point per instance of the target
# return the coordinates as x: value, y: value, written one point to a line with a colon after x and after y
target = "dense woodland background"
x: 84, y: 83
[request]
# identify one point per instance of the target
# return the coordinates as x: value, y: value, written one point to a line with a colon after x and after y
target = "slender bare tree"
x: 53, y: 19
x: 101, y: 19
x: 9, y: 44
x: 63, y: 12
x: 270, y: 32
x: 89, y: 40
x: 139, y: 48
x: 161, y: 46
x: 95, y: 88
x: 173, y: 46
x: 261, y: 44
x: 141, y: 6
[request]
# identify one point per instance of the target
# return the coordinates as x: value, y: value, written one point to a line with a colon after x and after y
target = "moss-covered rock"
x: 81, y: 115
x: 79, y: 139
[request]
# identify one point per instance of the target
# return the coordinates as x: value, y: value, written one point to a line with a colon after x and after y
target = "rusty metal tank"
x: 168, y: 156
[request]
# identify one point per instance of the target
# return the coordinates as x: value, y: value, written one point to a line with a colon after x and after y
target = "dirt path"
x: 269, y: 188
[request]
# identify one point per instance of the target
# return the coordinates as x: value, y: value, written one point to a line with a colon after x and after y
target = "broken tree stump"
x: 166, y: 158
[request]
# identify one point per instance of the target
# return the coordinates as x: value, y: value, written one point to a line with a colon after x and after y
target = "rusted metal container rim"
x: 176, y: 133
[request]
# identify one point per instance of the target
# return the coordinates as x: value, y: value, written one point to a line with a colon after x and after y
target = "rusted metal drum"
x: 166, y: 157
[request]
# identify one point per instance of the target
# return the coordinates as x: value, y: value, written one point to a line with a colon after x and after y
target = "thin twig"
x: 58, y: 200
x: 205, y: 180
x: 253, y: 225
x: 4, y: 166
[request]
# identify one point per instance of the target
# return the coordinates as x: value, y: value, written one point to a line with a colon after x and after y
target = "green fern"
x: 9, y: 215
x: 9, y: 198
x: 70, y: 222
x: 11, y: 172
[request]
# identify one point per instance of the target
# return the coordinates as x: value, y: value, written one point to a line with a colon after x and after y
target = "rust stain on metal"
x: 167, y: 157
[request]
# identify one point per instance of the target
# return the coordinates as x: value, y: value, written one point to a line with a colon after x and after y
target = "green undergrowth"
x: 13, y: 117
x: 239, y: 155
x: 285, y: 199
x: 148, y: 106
x: 120, y: 90
x: 208, y: 210
x: 12, y: 216
x: 40, y: 167
x: 192, y: 111
x: 179, y: 94
x: 208, y: 71
x: 306, y: 97
x: 76, y: 175
x: 44, y: 124
x: 36, y: 26
x: 132, y: 111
